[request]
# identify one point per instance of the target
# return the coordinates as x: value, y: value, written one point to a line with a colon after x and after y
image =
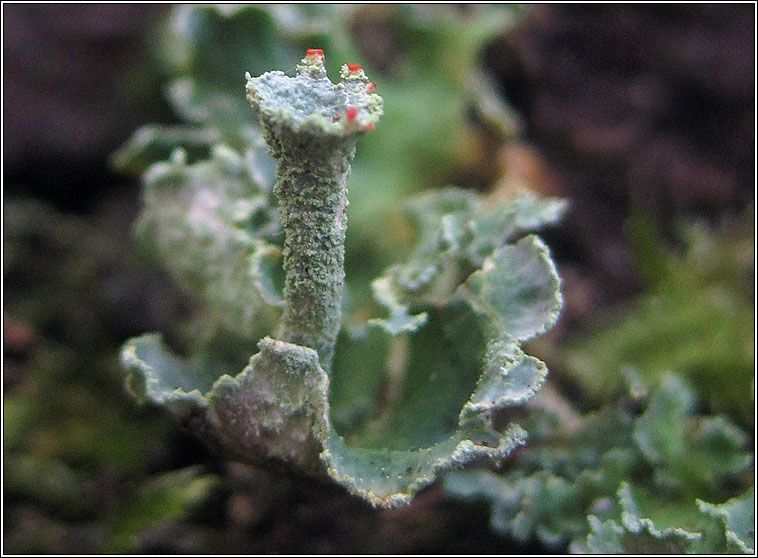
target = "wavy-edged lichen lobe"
x: 277, y: 408
x: 311, y: 126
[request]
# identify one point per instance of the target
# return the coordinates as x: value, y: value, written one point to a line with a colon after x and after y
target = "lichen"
x: 311, y: 126
x: 488, y: 296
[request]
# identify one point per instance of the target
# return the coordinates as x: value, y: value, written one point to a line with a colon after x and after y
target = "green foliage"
x: 78, y: 455
x: 660, y: 443
x: 640, y: 535
x: 48, y: 481
x: 56, y: 413
x: 738, y: 518
x: 161, y: 498
x: 664, y: 459
x: 697, y: 318
x: 688, y: 455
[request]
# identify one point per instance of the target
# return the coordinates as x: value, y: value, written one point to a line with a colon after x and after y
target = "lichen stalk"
x: 311, y: 126
x: 312, y: 197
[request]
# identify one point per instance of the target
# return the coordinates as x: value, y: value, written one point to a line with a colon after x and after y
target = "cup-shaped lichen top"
x: 311, y: 126
x: 311, y: 104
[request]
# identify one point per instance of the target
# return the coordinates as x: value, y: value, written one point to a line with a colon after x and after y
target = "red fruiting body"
x: 353, y: 67
x: 320, y: 52
x: 310, y: 52
x: 370, y: 87
x: 368, y: 127
x: 351, y: 113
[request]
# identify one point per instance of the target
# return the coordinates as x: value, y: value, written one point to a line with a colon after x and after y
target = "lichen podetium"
x: 311, y: 126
